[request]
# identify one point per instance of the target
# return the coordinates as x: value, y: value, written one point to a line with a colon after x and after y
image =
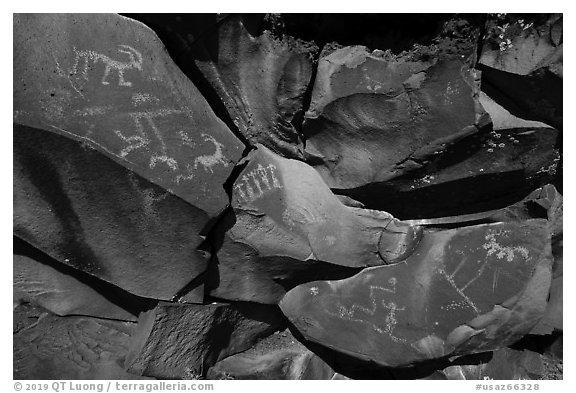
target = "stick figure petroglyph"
x: 365, y: 315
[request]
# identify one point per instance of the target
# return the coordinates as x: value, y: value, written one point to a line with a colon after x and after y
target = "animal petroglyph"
x: 208, y: 161
x: 82, y: 59
x: 257, y: 183
x: 493, y: 247
x: 365, y: 315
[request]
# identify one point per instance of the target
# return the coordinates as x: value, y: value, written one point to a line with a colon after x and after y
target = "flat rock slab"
x: 463, y: 291
x: 277, y: 357
x: 287, y: 227
x: 60, y: 293
x: 88, y: 212
x: 71, y: 348
x: 260, y: 78
x: 179, y: 341
x: 107, y: 80
x: 283, y: 207
x: 374, y: 117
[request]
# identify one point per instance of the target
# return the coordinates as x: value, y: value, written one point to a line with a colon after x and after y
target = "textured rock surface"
x: 70, y: 348
x: 374, y: 117
x: 88, y: 212
x: 277, y: 357
x: 60, y: 293
x: 463, y: 291
x: 506, y: 364
x: 522, y: 65
x: 260, y: 78
x: 482, y: 172
x: 284, y: 212
x: 107, y: 81
x: 178, y: 341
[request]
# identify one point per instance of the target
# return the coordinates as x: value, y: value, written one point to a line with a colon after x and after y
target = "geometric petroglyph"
x: 257, y: 183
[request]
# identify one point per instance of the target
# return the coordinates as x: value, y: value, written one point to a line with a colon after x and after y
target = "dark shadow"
x: 116, y: 295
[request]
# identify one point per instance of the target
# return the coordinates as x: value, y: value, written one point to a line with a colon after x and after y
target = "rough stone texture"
x: 88, y: 212
x: 180, y: 341
x: 506, y: 364
x: 107, y: 81
x: 521, y: 64
x: 60, y: 293
x: 277, y: 357
x: 284, y: 212
x: 480, y: 173
x: 70, y: 348
x: 463, y: 291
x: 374, y: 117
x: 260, y: 78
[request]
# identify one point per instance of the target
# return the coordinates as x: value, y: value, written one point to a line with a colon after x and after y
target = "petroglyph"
x: 460, y: 291
x: 257, y: 183
x: 83, y: 58
x: 144, y: 98
x: 493, y: 247
x: 208, y: 161
x: 364, y: 315
x: 141, y: 140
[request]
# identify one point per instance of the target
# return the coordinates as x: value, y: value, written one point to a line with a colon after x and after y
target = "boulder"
x: 462, y: 291
x: 86, y: 211
x: 261, y: 79
x: 107, y: 81
x: 277, y: 357
x: 61, y: 293
x: 177, y: 341
x: 522, y: 65
x: 282, y: 214
x: 374, y: 116
x: 71, y: 348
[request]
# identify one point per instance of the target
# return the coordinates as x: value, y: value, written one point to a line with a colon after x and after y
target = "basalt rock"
x: 521, y: 63
x: 71, y: 348
x: 182, y: 341
x: 107, y: 81
x: 462, y: 291
x: 277, y: 357
x: 260, y: 78
x: 60, y: 293
x: 374, y: 117
x: 481, y: 173
x: 86, y: 211
x: 505, y: 364
x: 283, y: 213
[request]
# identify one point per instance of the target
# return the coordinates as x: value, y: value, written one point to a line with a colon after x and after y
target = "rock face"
x: 522, y: 65
x: 107, y: 81
x: 60, y: 293
x: 71, y: 348
x: 277, y: 357
x: 480, y: 173
x: 374, y: 117
x: 134, y: 235
x: 179, y: 341
x: 261, y: 79
x: 283, y: 212
x: 462, y: 291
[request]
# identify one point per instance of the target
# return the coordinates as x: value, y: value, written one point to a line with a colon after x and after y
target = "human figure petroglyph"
x: 87, y: 56
x: 364, y: 315
x: 142, y: 139
x: 208, y: 161
x: 257, y: 183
